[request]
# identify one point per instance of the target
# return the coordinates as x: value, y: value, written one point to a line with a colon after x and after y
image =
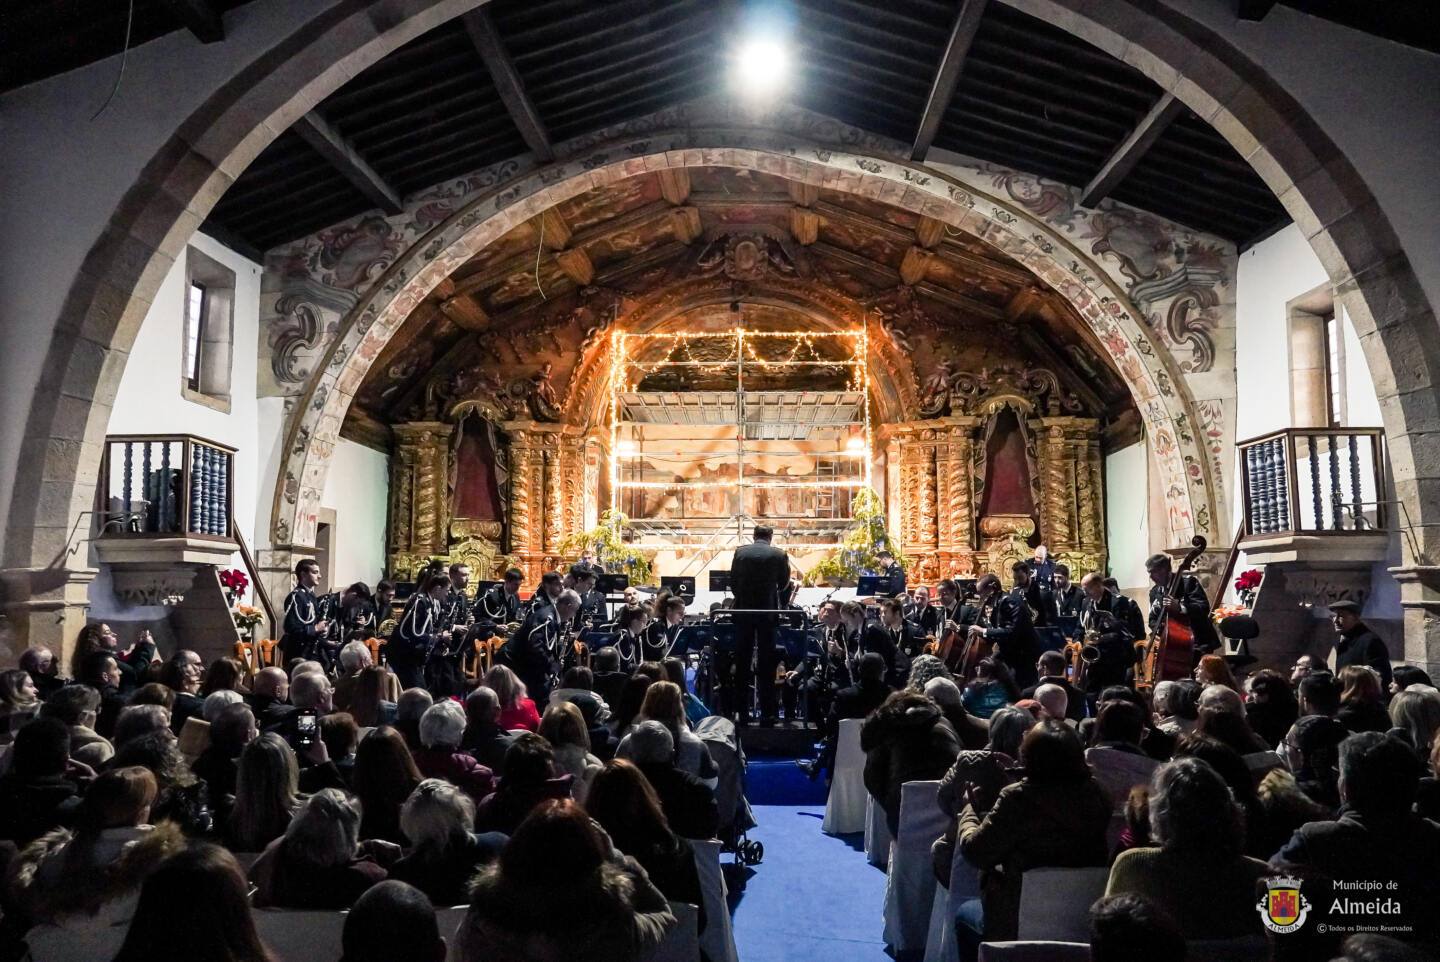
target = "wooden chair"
x: 267, y: 656
x: 377, y: 650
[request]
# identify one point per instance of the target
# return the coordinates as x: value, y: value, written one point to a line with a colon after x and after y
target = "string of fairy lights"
x: 684, y: 350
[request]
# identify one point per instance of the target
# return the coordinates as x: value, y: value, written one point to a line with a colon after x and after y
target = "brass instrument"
x: 1081, y: 655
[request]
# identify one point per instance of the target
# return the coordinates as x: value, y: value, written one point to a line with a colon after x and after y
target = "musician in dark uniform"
x: 544, y: 597
x: 535, y: 651
x: 662, y: 638
x: 952, y: 607
x: 892, y: 576
x: 820, y: 675
x: 420, y: 629
x: 582, y: 580
x: 501, y: 604
x: 633, y: 622
x: 1004, y: 621
x: 305, y: 628
x: 357, y: 612
x: 442, y: 669
x: 918, y: 607
x: 759, y: 573
x: 873, y: 637
x: 1108, y: 613
x: 1191, y: 606
x: 1034, y: 593
x: 903, y: 636
x: 1069, y: 597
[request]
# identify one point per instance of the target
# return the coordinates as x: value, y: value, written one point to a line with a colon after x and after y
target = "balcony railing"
x: 1313, y: 481
x: 166, y: 486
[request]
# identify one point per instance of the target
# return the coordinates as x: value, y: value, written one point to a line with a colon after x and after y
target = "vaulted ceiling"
x: 508, y: 311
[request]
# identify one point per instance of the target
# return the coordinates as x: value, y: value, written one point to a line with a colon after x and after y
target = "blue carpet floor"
x: 814, y: 898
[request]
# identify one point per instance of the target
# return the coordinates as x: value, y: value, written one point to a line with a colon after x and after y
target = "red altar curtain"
x: 476, y: 494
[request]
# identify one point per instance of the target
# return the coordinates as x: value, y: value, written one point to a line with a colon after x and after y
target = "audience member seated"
x: 392, y: 920
x: 1197, y: 873
x: 370, y: 703
x: 42, y: 789
x: 224, y: 674
x: 625, y: 805
x: 182, y: 673
x: 1272, y: 707
x: 1158, y: 744
x: 1116, y: 758
x: 1053, y: 702
x: 1175, y: 706
x: 972, y: 732
x: 194, y: 906
x: 1362, y: 700
x: 688, y: 803
x: 19, y: 701
x: 44, y: 670
x: 664, y: 704
x: 906, y: 740
x: 992, y: 688
x: 310, y: 693
x: 320, y: 862
x: 922, y: 669
x: 563, y: 727
x: 609, y: 680
x: 1051, y: 667
x: 1401, y: 677
x: 267, y: 793
x: 696, y: 710
x: 979, y: 776
x: 527, y: 778
x: 218, y: 765
x: 1130, y: 927
x: 441, y: 729
x: 354, y: 657
x: 341, y: 735
x: 856, y: 701
x: 444, y: 852
x: 77, y: 707
x: 517, y: 710
x: 632, y: 697
x: 181, y: 797
x: 577, y: 685
x: 1212, y: 670
x: 384, y: 776
x: 1231, y: 767
x: 1228, y: 726
x: 1313, y: 746
x: 78, y: 886
x: 559, y: 858
x: 153, y: 693
x: 1053, y: 817
x: 135, y: 721
x: 596, y: 715
x: 1414, y: 716
x: 270, y: 698
x: 1376, y: 837
x: 484, y: 738
x: 412, y: 706
x: 101, y: 672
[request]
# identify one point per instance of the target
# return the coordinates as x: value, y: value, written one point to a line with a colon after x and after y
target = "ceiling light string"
x: 538, y: 248
x: 124, y: 56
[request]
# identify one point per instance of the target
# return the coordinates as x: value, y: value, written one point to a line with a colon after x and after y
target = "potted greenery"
x: 862, y: 541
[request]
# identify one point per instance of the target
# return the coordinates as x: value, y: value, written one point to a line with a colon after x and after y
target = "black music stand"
x: 867, y: 586
x: 613, y: 584
x: 720, y: 581
x: 682, y: 586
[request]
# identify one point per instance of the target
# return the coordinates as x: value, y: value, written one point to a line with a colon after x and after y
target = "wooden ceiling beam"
x: 889, y: 277
x: 200, y: 17
x: 576, y: 265
x: 340, y: 154
x: 508, y: 83
x: 915, y: 265
x: 1131, y: 149
x: 674, y: 185
x: 947, y: 75
x: 1063, y: 368
x: 930, y: 232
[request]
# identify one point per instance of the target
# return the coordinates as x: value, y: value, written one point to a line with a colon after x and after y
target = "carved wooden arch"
x: 1186, y: 472
x: 892, y: 375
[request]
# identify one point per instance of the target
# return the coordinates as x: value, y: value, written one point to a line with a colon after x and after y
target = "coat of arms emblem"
x: 1283, y: 909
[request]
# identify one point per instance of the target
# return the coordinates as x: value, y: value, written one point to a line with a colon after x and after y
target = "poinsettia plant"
x: 234, y: 581
x: 1247, y: 583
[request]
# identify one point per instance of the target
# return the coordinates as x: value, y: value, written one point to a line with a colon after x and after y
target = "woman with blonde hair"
x: 369, y: 705
x: 320, y: 862
x: 267, y: 792
x: 665, y: 704
x: 1415, y: 714
x: 1362, y: 700
x: 564, y: 728
x: 517, y: 710
x: 444, y: 852
x: 1213, y: 670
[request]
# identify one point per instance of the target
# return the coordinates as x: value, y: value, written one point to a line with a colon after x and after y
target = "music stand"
x: 681, y: 585
x: 613, y: 584
x: 868, y: 585
x: 720, y: 581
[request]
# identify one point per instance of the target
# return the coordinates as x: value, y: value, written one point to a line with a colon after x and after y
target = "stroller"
x: 718, y: 734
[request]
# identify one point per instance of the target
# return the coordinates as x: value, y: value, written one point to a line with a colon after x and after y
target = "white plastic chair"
x: 718, y: 940
x: 1035, y: 951
x: 1055, y: 903
x: 295, y: 935
x: 877, y: 834
x: 845, y: 807
x: 681, y: 943
x: 910, y: 885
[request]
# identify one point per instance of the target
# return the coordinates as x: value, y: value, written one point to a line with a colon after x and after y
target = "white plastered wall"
x: 357, y: 487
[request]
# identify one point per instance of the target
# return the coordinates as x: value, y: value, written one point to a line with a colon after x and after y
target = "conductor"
x: 759, y: 574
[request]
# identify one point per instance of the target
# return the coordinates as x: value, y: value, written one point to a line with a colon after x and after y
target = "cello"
x: 1170, y: 652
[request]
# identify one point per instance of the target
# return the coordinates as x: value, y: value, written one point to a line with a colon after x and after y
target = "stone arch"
x: 148, y: 229
x: 892, y: 374
x: 1187, y: 474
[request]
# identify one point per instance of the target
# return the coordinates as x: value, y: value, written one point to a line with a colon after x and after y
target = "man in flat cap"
x: 1358, y: 645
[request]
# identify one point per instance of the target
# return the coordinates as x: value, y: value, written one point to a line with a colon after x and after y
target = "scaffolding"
x: 694, y: 469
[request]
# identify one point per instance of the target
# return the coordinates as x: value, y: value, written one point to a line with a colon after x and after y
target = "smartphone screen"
x: 306, y: 727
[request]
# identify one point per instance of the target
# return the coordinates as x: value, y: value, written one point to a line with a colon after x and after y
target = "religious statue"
x: 935, y: 391
x: 543, y: 404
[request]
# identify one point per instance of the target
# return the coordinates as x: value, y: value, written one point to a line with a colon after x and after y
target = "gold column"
x: 1072, y: 518
x: 420, y: 495
x: 955, y: 497
x: 526, y: 462
x: 554, y: 527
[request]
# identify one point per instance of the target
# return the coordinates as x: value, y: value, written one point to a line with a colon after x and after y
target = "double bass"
x: 1170, y: 653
